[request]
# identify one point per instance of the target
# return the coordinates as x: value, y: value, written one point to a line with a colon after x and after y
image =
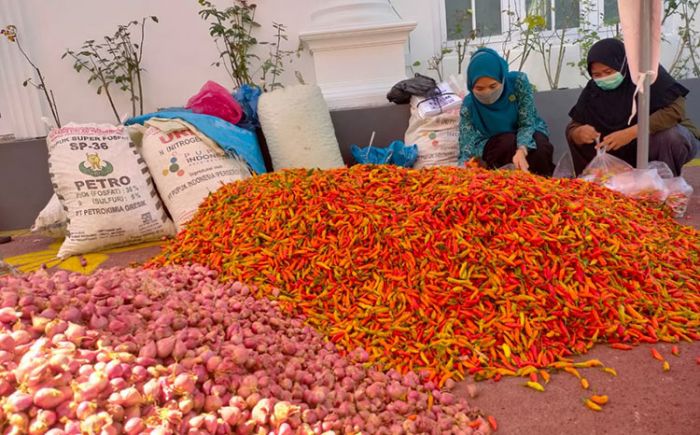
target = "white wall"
x: 179, y: 50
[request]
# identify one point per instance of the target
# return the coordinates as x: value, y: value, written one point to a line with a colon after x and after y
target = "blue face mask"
x: 608, y: 83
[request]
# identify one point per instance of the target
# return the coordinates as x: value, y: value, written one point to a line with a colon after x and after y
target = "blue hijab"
x: 501, y: 116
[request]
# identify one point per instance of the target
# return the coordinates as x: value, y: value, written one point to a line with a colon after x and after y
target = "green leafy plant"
x: 588, y: 34
x: 686, y: 62
x: 116, y: 62
x: 10, y: 32
x: 273, y: 67
x: 128, y: 56
x: 233, y: 31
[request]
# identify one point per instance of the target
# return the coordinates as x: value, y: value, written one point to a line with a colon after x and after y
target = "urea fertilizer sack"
x: 437, y: 137
x: 105, y: 189
x: 186, y: 170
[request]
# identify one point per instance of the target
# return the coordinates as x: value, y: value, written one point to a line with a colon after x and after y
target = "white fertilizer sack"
x: 186, y: 170
x: 105, y: 189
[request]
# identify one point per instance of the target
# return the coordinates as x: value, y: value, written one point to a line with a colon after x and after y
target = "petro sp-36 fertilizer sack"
x: 105, y: 189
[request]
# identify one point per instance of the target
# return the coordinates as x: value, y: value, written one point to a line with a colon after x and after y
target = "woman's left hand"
x: 618, y: 139
x: 520, y: 160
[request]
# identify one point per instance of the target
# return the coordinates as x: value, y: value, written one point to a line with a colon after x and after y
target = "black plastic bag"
x: 420, y: 85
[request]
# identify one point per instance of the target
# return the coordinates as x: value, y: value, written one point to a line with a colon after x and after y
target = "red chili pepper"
x: 552, y: 267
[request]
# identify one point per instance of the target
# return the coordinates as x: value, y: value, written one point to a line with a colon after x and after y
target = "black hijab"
x: 609, y: 111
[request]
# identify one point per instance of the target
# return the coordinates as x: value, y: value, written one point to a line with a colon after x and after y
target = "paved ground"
x: 643, y: 398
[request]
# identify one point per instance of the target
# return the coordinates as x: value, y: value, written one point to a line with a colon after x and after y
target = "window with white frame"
x: 483, y: 18
x: 558, y: 14
x: 466, y: 17
x: 610, y: 13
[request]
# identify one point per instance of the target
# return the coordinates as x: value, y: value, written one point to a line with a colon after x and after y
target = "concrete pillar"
x: 358, y: 50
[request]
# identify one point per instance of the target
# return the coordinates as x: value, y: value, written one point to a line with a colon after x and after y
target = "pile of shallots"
x: 174, y: 351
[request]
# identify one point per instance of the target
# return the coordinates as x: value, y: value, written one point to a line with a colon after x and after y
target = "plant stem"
x: 52, y: 103
x: 105, y: 85
x: 138, y: 65
x: 275, y: 72
x: 560, y: 58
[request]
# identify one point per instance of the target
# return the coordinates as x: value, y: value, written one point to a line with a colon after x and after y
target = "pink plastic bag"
x: 213, y: 99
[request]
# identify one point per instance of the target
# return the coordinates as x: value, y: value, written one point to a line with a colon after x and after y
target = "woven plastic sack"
x: 603, y: 167
x: 105, y: 188
x: 298, y: 129
x: 186, y: 170
x: 679, y: 194
x: 437, y: 137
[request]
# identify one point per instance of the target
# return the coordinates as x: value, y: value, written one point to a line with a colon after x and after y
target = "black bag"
x: 420, y: 85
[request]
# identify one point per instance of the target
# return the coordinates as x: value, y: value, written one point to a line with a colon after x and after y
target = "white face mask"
x: 489, y: 97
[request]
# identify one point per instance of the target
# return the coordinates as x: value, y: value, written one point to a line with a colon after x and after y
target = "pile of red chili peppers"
x: 454, y: 271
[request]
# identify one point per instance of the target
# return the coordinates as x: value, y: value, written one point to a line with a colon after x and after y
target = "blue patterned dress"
x: 472, y: 141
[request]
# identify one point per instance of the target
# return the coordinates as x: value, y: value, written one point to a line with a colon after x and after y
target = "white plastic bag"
x: 679, y: 194
x: 52, y: 221
x: 446, y: 100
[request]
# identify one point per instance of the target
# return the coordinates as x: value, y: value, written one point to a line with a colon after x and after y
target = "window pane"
x: 611, y: 14
x: 458, y: 17
x: 488, y: 17
x: 567, y: 13
x: 542, y: 8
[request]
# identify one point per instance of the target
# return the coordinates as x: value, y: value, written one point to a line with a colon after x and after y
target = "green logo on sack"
x: 95, y: 166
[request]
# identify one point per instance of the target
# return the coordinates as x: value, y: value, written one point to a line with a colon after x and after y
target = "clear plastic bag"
x: 565, y: 167
x: 603, y: 167
x: 679, y: 194
x: 662, y: 168
x: 643, y: 184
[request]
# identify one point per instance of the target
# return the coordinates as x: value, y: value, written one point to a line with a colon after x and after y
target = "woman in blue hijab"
x: 499, y: 122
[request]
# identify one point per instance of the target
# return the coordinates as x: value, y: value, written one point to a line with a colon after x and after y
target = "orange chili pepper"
x: 599, y: 399
x: 655, y: 353
x: 493, y: 423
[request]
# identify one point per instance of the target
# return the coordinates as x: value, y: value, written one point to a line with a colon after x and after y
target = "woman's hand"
x: 585, y: 134
x: 520, y: 160
x: 618, y: 139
